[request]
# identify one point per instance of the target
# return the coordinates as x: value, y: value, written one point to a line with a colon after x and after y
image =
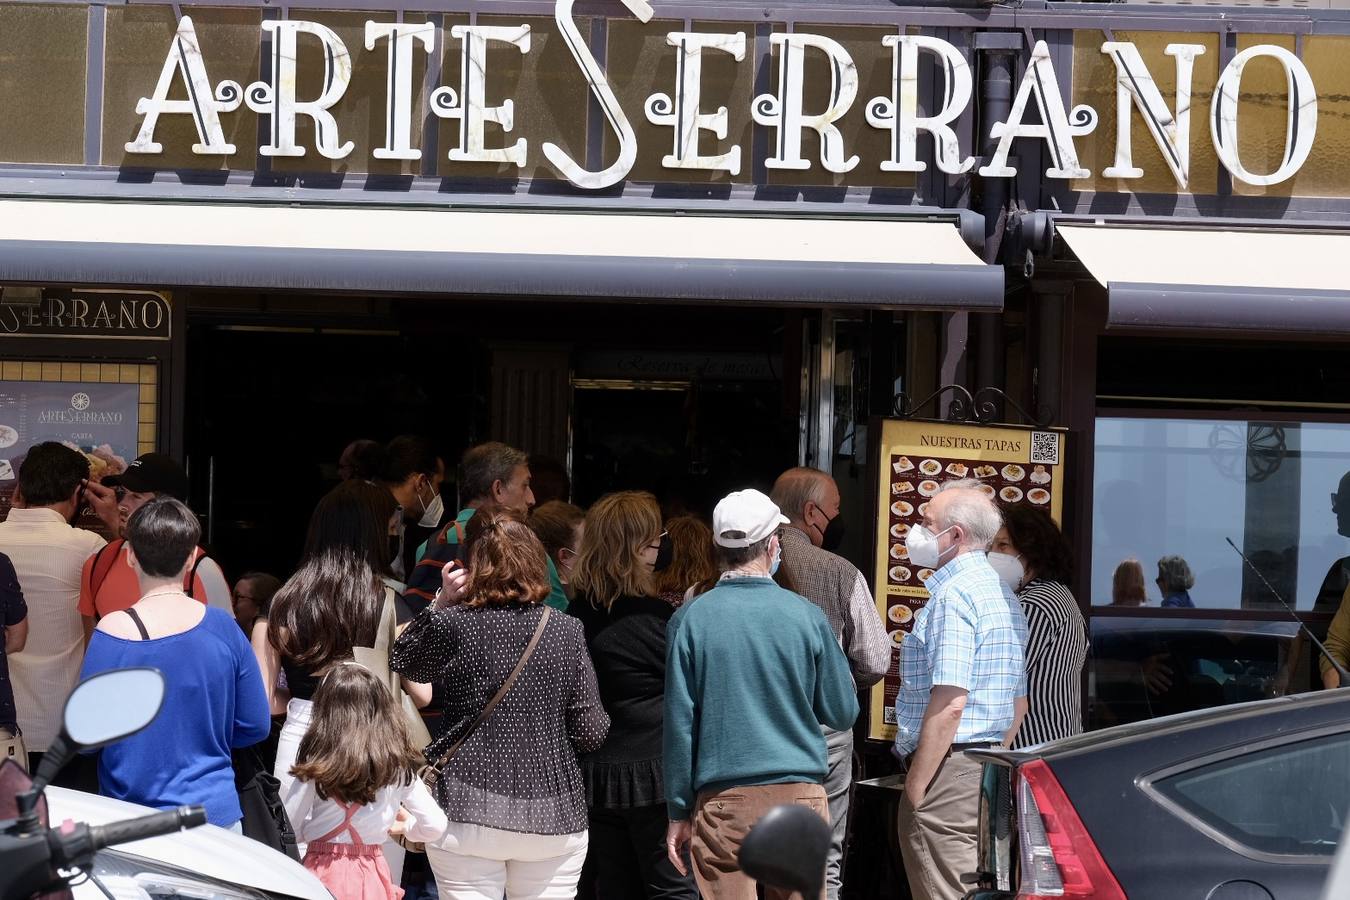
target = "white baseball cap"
x: 743, y: 518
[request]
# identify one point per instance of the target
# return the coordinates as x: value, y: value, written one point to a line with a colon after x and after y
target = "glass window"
x: 1287, y: 800
x: 1179, y: 487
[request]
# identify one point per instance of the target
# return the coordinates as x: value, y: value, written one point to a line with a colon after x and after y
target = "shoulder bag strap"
x: 98, y: 572
x: 190, y: 581
x: 497, y: 697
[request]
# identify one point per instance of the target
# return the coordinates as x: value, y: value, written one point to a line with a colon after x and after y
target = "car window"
x: 1289, y: 800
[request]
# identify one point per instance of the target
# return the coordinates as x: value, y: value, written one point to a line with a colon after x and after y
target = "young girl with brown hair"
x: 355, y: 778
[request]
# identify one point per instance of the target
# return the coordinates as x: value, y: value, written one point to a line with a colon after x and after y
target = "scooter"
x: 89, y: 858
x: 104, y: 709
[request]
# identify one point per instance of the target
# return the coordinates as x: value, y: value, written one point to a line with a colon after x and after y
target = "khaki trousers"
x: 938, y: 840
x: 721, y: 822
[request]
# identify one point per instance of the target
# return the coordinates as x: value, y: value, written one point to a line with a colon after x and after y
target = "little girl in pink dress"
x: 355, y: 780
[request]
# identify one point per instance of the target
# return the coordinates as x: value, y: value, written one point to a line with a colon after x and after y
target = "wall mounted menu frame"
x: 1016, y: 465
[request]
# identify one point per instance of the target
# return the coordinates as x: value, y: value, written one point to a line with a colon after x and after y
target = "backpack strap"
x: 103, y: 563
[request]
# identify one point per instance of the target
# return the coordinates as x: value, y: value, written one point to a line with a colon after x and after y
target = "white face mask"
x: 1009, y: 568
x: 431, y: 512
x: 923, y: 546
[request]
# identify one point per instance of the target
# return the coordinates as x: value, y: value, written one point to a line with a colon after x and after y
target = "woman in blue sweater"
x: 214, y: 700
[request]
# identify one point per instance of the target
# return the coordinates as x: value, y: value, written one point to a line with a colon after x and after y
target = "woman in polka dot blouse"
x: 513, y: 792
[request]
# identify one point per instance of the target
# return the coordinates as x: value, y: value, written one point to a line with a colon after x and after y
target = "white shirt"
x: 48, y: 554
x: 313, y: 818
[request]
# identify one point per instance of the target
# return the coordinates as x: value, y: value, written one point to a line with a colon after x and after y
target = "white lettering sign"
x: 1039, y: 83
x: 609, y: 105
x: 471, y: 106
x: 398, y: 85
x: 899, y: 113
x: 1302, y: 122
x: 783, y: 111
x: 277, y: 98
x: 185, y: 59
x: 682, y: 113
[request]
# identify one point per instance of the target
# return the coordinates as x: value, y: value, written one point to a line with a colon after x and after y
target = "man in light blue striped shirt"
x: 963, y: 685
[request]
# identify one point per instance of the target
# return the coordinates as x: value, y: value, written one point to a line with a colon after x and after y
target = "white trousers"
x: 298, y: 715
x: 474, y: 862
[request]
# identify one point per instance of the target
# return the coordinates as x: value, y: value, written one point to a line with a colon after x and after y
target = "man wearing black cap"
x: 108, y: 583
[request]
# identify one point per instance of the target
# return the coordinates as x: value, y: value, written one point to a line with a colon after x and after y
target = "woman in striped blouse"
x: 1037, y: 567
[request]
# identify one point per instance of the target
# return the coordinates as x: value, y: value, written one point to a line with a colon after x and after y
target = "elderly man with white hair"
x: 963, y: 686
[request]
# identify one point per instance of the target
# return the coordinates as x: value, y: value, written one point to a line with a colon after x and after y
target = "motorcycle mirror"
x: 787, y: 849
x: 112, y: 705
x: 101, y: 710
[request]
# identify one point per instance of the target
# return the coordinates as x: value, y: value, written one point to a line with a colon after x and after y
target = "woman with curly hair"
x: 506, y: 772
x: 1033, y: 558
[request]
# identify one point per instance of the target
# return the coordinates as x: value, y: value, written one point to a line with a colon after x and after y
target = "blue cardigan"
x: 213, y: 702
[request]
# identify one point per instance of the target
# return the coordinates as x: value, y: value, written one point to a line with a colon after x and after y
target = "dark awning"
x: 1218, y: 279
x: 913, y: 262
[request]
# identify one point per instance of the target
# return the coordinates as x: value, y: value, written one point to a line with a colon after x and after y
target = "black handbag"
x: 265, y: 818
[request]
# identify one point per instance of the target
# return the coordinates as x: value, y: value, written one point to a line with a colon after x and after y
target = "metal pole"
x: 998, y: 51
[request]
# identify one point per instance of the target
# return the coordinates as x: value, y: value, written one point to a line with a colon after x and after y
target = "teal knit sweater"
x: 752, y: 672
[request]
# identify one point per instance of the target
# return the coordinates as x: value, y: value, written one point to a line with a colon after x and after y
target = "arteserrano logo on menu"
x: 75, y: 417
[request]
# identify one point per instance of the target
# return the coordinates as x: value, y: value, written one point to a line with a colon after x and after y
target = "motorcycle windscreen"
x: 13, y: 782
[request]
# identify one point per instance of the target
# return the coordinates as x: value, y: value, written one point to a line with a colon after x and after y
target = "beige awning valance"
x: 900, y: 260
x: 1216, y: 278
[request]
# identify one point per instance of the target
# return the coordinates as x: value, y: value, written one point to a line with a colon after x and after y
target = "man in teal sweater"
x: 752, y: 673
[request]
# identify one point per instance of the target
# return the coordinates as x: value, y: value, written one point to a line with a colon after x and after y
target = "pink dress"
x: 345, y: 839
x: 355, y: 871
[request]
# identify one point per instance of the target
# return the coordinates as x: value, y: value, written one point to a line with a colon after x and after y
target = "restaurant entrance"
x: 686, y: 402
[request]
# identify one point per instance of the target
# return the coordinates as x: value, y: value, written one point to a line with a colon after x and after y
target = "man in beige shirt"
x: 48, y: 554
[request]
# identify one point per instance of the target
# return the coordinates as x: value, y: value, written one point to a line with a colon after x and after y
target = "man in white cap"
x: 752, y: 673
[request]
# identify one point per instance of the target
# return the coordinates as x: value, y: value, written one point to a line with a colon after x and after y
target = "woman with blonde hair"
x: 622, y: 549
x: 693, y: 565
x: 1127, y: 584
x: 520, y: 706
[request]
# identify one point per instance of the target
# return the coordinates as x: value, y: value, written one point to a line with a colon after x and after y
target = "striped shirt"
x: 970, y: 635
x: 1057, y: 647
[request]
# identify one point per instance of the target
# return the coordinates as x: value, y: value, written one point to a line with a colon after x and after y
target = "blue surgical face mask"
x: 777, y: 560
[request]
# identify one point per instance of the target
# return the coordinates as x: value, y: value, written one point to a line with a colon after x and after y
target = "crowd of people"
x: 553, y: 701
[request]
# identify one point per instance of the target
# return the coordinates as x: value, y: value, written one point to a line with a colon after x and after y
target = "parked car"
x: 1147, y: 667
x: 204, y: 862
x: 1240, y: 802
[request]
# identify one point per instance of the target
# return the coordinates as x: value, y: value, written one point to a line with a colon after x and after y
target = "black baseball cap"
x: 156, y: 473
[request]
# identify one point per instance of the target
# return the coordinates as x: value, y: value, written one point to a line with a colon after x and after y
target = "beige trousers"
x: 721, y: 822
x: 938, y: 840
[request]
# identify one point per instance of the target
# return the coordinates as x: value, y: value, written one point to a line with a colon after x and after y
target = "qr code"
x: 1045, y: 448
x: 888, y: 715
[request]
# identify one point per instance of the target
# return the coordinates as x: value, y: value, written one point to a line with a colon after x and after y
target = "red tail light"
x: 1059, y: 858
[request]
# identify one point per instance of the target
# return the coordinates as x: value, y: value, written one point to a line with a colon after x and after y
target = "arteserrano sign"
x: 1038, y: 111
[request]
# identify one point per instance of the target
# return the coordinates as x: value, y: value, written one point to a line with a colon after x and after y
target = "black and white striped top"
x: 1057, y: 647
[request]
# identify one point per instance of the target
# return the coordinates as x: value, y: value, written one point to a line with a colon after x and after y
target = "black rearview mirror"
x: 787, y: 849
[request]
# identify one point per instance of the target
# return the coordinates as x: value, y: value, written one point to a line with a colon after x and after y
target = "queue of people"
x: 604, y: 700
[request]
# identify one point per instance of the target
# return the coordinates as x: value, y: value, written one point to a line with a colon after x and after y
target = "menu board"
x: 1013, y: 465
x: 102, y: 420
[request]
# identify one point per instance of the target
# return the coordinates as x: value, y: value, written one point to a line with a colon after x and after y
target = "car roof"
x: 1307, y: 709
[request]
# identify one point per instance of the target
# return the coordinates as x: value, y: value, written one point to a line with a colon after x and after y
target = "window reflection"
x: 1168, y: 491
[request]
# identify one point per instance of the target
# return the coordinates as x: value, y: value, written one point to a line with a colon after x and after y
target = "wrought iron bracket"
x: 979, y: 408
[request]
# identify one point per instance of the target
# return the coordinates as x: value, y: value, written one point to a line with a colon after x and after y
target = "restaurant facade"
x: 684, y: 246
